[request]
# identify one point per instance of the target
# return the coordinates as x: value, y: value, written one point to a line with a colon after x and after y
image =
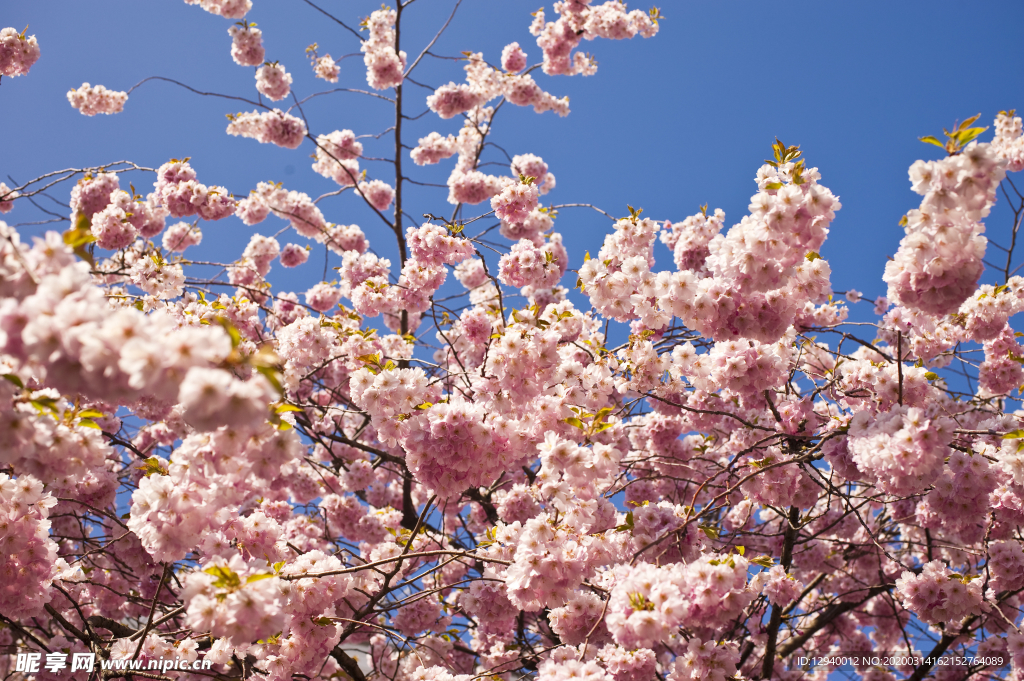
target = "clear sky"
x: 667, y: 124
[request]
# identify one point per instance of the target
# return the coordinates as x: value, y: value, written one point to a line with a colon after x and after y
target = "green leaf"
x: 930, y: 139
x: 812, y: 256
x: 573, y: 421
x: 968, y: 134
x: 15, y: 380
x: 710, y: 530
x: 78, y: 237
x: 773, y: 186
x: 931, y: 375
x: 236, y: 337
x: 151, y: 466
x: 258, y: 577
x: 43, y: 404
x: 278, y: 565
x: 89, y: 423
x: 226, y: 577
x: 282, y: 408
x: 763, y: 561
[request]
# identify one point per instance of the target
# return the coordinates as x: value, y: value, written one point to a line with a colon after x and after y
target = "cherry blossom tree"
x: 697, y: 472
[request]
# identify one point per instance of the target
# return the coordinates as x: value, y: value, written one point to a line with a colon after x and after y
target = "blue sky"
x: 667, y: 124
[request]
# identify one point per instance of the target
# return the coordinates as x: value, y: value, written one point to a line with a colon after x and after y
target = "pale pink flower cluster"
x: 939, y: 261
x: 305, y: 218
x: 322, y: 297
x: 1009, y: 140
x: 258, y: 254
x: 383, y: 66
x: 571, y: 479
x: 743, y: 367
x: 433, y: 148
x: 622, y: 271
x: 99, y: 200
x: 879, y: 383
x: 513, y: 59
x: 706, y: 661
x: 269, y: 127
x: 7, y: 196
x: 762, y: 272
x: 473, y: 187
x: 111, y: 226
x: 18, y: 52
x: 577, y: 21
x: 432, y: 245
x: 629, y: 665
x: 531, y: 165
x: 377, y: 193
x: 233, y: 600
x: 550, y: 563
x: 337, y: 157
x: 229, y: 9
x: 273, y: 81
x: 515, y: 202
x: 121, y: 355
x: 649, y: 602
x: 528, y: 265
x: 180, y: 236
x: 471, y: 273
x: 211, y: 397
x: 454, y: 447
x: 778, y: 587
x: 938, y: 595
x: 956, y: 503
x: 484, y: 83
x: 903, y: 447
x: 1001, y: 372
x: 157, y: 277
x: 91, y: 100
x: 574, y: 620
x: 488, y: 603
x: 325, y: 68
x: 178, y: 191
x: 688, y: 240
x: 417, y: 282
x: 452, y: 100
x: 167, y: 515
x: 247, y: 45
x: 1006, y: 562
x: 28, y: 559
x: 92, y: 194
x: 293, y: 255
x: 568, y: 668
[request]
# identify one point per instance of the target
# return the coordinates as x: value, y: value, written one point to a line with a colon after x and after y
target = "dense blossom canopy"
x: 687, y: 472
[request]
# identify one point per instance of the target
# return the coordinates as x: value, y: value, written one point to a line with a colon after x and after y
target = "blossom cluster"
x: 273, y: 81
x: 384, y: 65
x: 96, y: 99
x: 29, y: 554
x: 939, y: 261
x: 938, y: 594
x: 246, y: 45
x: 269, y: 127
x: 18, y: 52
